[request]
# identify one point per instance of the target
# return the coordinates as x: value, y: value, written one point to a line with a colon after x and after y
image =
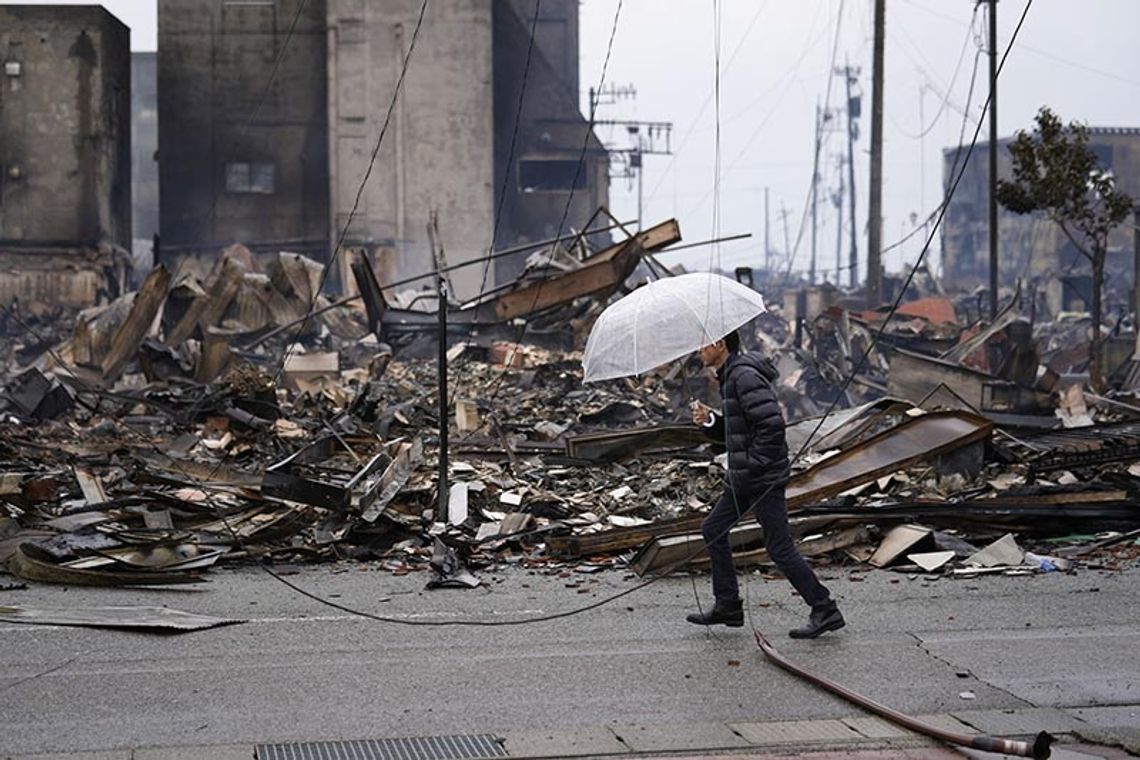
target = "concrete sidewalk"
x: 1082, y: 733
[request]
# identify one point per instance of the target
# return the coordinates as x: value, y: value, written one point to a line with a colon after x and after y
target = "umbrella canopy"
x: 665, y: 320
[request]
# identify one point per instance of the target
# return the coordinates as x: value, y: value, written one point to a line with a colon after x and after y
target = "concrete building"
x: 1029, y: 246
x: 65, y: 152
x: 144, y: 158
x: 239, y: 162
x: 291, y: 177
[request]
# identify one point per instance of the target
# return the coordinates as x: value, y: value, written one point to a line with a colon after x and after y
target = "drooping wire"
x: 924, y: 131
x: 289, y: 348
x: 589, y: 131
x: 510, y: 152
x: 957, y: 154
x: 684, y: 560
x: 818, y: 147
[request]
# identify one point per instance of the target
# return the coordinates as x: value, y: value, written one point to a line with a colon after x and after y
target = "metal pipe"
x: 1039, y: 749
x: 699, y: 243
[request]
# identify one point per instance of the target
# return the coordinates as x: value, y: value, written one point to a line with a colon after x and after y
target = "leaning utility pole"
x: 993, y: 164
x: 875, y: 204
x: 851, y: 74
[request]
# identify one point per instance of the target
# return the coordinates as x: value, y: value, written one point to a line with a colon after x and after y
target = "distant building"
x: 65, y: 152
x: 280, y: 168
x: 1029, y: 246
x: 144, y: 157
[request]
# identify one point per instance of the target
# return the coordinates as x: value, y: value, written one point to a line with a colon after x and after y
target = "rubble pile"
x: 200, y: 421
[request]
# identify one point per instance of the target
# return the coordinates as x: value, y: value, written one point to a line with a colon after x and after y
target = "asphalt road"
x: 301, y: 671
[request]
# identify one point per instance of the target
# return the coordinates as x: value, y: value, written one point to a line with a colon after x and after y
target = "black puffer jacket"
x: 752, y: 426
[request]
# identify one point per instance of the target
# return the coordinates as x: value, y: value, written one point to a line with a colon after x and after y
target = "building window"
x: 247, y: 177
x: 541, y: 175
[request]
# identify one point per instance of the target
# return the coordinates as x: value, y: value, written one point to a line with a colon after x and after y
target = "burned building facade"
x: 283, y: 167
x: 65, y: 152
x: 1029, y: 246
x: 239, y: 161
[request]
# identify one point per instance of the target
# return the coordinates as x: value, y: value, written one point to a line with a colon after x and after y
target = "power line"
x: 511, y: 151
x: 708, y: 98
x: 683, y: 561
x: 818, y: 146
x: 589, y: 131
x: 924, y: 131
x: 359, y: 192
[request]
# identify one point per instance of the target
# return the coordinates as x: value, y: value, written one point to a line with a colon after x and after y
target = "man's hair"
x: 732, y: 342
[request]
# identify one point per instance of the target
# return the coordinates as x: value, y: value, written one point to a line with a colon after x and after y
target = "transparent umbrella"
x: 665, y: 320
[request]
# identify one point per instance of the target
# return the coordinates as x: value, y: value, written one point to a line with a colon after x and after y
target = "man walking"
x: 752, y: 429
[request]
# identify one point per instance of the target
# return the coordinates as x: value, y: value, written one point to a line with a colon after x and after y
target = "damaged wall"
x: 65, y: 138
x: 436, y: 155
x: 1028, y: 245
x: 551, y: 131
x: 224, y: 178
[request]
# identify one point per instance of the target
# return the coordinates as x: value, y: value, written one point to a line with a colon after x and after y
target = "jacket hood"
x: 760, y: 363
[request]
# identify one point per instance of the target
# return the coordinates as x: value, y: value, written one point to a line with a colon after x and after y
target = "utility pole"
x: 875, y: 204
x: 784, y: 212
x: 646, y: 138
x: 767, y: 243
x: 993, y: 164
x: 444, y: 493
x: 854, y: 101
x: 837, y: 199
x: 815, y: 190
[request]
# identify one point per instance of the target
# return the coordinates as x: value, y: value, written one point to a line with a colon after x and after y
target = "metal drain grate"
x: 467, y: 746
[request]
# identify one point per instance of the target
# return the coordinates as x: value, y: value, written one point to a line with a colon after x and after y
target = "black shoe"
x: 722, y: 613
x: 822, y: 620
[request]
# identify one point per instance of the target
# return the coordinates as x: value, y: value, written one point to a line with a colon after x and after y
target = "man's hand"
x: 702, y: 415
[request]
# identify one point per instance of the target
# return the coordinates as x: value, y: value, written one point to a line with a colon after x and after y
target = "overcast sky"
x: 1081, y: 59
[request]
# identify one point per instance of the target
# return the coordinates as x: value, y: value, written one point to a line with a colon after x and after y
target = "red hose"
x: 1039, y: 749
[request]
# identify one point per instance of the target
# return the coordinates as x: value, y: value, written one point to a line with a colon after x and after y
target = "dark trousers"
x: 771, y: 511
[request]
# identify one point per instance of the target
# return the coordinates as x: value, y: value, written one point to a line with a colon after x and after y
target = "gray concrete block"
x: 562, y: 743
x: 946, y: 722
x: 690, y: 736
x: 796, y: 732
x: 1018, y: 721
x: 874, y: 727
x: 221, y: 752
x: 121, y: 754
x: 1121, y: 716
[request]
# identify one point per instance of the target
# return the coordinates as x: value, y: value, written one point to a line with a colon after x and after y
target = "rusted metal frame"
x: 608, y: 446
x: 606, y: 269
x: 1039, y: 748
x: 379, y: 494
x: 281, y: 482
x: 799, y: 492
x: 24, y: 564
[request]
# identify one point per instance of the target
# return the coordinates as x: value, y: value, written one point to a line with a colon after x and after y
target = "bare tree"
x: 1056, y: 173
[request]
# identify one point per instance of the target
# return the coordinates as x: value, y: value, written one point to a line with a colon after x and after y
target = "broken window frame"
x: 250, y: 177
x: 575, y: 179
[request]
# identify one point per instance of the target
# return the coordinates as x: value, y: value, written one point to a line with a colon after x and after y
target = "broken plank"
x: 145, y: 307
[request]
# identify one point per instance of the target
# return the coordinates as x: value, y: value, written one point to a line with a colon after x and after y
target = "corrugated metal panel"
x: 468, y: 746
